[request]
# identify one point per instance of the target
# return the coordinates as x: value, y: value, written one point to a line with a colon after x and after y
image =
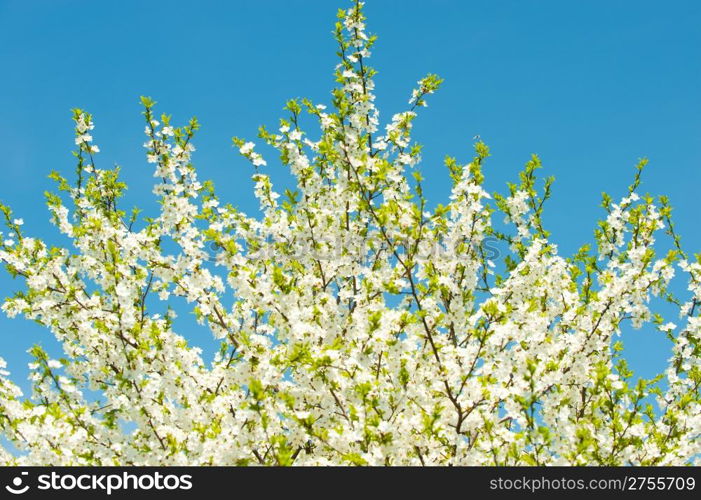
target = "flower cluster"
x: 389, y: 353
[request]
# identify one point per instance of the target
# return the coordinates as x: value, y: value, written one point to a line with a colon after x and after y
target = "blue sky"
x: 589, y: 86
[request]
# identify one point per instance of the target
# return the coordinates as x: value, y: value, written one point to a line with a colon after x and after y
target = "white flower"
x: 258, y: 160
x: 246, y: 148
x: 122, y: 290
x: 83, y: 138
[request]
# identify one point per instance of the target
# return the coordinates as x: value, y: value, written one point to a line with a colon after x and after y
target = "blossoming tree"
x: 356, y: 325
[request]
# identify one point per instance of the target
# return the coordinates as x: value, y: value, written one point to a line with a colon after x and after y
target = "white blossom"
x: 353, y: 322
